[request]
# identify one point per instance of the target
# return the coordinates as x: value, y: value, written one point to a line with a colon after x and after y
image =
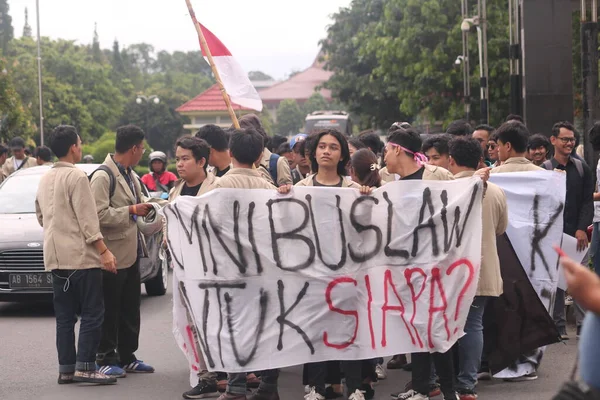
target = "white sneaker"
x: 312, y: 395
x: 381, y: 374
x: 358, y: 395
x: 306, y: 389
x: 412, y: 395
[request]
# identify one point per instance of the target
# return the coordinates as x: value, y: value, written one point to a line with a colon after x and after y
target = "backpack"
x: 113, y: 181
x: 578, y: 164
x: 273, y: 167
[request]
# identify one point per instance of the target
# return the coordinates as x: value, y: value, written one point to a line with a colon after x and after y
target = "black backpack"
x: 113, y: 181
x: 578, y: 164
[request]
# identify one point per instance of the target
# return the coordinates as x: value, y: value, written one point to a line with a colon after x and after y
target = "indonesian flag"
x: 236, y: 81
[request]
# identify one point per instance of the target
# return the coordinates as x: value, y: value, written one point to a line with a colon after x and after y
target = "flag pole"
x: 206, y: 50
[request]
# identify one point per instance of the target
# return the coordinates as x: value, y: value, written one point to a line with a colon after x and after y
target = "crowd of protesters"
x: 94, y: 253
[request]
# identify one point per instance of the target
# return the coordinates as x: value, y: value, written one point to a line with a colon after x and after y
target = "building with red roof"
x: 209, y: 107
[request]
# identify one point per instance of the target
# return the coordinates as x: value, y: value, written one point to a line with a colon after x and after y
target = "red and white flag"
x: 236, y: 81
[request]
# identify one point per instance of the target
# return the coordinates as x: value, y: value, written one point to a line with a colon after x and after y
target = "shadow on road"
x: 27, y: 309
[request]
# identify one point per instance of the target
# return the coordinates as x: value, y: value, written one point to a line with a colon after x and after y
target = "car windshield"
x: 17, y: 194
x: 317, y: 125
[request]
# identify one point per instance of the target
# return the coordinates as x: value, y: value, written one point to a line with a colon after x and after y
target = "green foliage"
x: 259, y: 76
x: 394, y: 60
x: 290, y: 117
x: 95, y: 90
x: 14, y: 118
x: 6, y: 28
x: 315, y: 102
x: 267, y: 122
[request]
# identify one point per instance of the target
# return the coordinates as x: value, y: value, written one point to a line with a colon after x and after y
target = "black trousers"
x: 421, y: 371
x: 77, y: 291
x: 121, y: 329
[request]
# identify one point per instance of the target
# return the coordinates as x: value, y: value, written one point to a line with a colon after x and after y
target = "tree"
x: 259, y: 76
x: 394, y: 60
x: 14, y: 118
x: 289, y: 117
x: 6, y: 28
x: 27, y: 28
x: 315, y: 102
x: 96, y: 52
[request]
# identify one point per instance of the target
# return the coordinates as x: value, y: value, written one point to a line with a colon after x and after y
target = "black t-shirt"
x: 190, y: 191
x: 416, y: 175
x: 221, y: 173
x: 316, y: 183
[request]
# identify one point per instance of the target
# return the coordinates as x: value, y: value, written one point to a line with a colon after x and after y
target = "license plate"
x: 31, y: 280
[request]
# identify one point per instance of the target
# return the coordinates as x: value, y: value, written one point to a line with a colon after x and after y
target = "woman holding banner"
x: 329, y: 155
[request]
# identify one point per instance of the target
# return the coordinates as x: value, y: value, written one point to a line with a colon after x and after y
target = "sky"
x: 273, y: 36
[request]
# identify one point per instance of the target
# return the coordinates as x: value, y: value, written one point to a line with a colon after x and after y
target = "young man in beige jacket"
x: 118, y: 215
x: 465, y: 156
x: 246, y: 148
x: 75, y: 252
x: 19, y: 159
x: 513, y: 138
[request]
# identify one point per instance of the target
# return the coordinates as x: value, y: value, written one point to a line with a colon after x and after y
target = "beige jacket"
x: 386, y: 176
x: 284, y: 174
x: 434, y: 173
x: 9, y: 165
x: 64, y: 207
x: 495, y: 221
x: 516, y: 164
x: 346, y: 183
x: 243, y: 178
x: 118, y: 227
x: 207, y: 186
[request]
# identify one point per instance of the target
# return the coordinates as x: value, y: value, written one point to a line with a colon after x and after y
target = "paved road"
x: 28, y: 363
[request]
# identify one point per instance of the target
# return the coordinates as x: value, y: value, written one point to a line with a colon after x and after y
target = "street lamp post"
x: 481, y: 25
x: 39, y: 62
x: 464, y: 61
x: 147, y: 100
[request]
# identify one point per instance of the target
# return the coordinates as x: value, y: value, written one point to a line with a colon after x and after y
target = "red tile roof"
x: 299, y: 87
x: 209, y: 100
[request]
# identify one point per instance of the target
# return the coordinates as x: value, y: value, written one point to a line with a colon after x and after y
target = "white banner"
x: 326, y: 274
x: 535, y: 224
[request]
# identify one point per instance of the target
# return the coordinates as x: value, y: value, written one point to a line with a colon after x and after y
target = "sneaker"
x: 138, y: 366
x: 261, y: 395
x: 368, y: 391
x: 397, y: 362
x: 484, y: 375
x: 202, y: 390
x: 434, y: 390
x: 312, y: 395
x: 381, y: 374
x: 306, y: 389
x: 113, y: 371
x: 357, y: 395
x: 465, y: 394
x: 93, y: 377
x: 412, y: 395
x: 529, y: 377
x: 231, y: 396
x: 64, y: 379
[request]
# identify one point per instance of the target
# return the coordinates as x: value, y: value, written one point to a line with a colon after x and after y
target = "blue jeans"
x: 76, y: 290
x: 595, y: 247
x: 589, y: 351
x: 470, y: 346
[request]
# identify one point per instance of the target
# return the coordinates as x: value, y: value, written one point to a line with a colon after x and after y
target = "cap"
x: 297, y: 139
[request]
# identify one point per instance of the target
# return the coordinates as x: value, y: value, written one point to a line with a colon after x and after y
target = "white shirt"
x: 18, y: 163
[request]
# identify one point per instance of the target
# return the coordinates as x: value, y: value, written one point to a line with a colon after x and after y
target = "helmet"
x: 151, y: 223
x: 157, y: 155
x: 88, y: 159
